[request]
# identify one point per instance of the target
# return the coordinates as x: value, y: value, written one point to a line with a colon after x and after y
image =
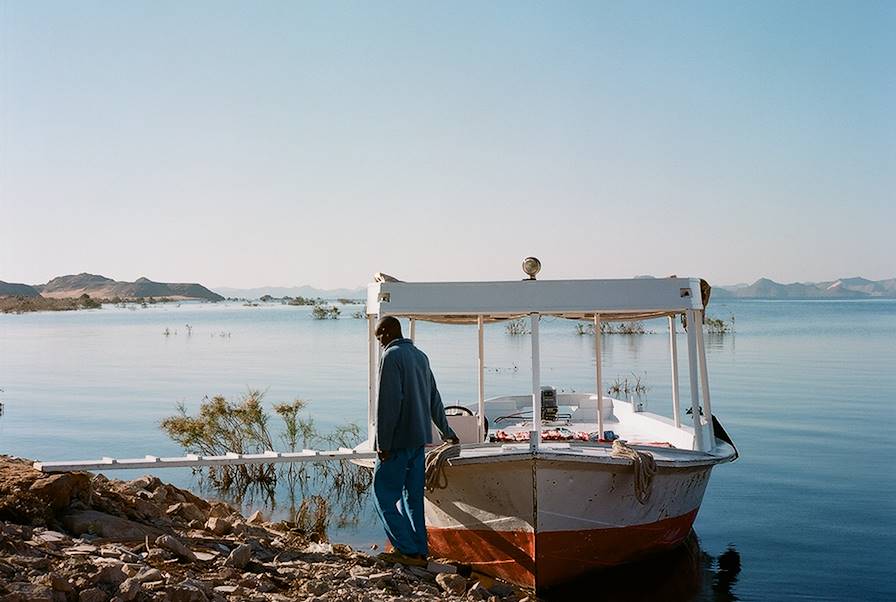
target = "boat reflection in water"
x: 685, y: 573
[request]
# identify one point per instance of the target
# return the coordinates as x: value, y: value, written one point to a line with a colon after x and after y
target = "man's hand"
x: 382, y: 455
x: 454, y: 440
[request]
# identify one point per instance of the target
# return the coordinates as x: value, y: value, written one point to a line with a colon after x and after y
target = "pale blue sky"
x: 247, y: 144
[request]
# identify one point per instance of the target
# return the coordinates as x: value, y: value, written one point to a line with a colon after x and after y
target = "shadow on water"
x: 685, y: 574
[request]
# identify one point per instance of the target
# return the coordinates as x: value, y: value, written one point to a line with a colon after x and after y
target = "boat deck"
x: 577, y: 451
x: 570, y: 450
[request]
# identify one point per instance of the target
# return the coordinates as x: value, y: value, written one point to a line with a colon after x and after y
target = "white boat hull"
x: 543, y: 520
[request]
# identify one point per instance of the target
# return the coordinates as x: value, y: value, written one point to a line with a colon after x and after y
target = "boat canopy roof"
x: 465, y: 302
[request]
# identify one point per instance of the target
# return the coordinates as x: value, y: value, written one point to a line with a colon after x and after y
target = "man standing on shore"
x: 408, y: 403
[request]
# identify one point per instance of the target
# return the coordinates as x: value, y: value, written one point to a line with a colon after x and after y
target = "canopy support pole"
x: 371, y: 378
x: 482, y: 433
x: 673, y: 351
x: 704, y: 382
x: 412, y: 329
x: 535, y: 433
x: 598, y: 380
x: 692, y: 369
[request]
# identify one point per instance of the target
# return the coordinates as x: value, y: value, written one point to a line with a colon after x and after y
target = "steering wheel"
x: 461, y: 410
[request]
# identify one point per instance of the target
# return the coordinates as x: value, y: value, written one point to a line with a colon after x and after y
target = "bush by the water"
x: 325, y: 312
x: 517, y: 327
x: 300, y: 301
x: 623, y: 388
x: 718, y: 325
x: 245, y: 427
x: 635, y: 327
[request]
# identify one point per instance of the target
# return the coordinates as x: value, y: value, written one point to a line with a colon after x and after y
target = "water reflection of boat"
x: 684, y: 573
x: 544, y: 495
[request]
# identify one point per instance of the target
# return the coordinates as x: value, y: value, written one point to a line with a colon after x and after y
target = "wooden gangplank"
x: 190, y: 460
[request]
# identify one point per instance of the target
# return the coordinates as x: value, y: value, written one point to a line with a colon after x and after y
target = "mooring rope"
x: 435, y: 465
x: 644, y: 466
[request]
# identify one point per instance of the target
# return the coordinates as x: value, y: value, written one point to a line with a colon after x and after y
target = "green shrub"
x: 325, y: 312
x: 634, y: 327
x: 243, y: 426
x: 517, y: 327
x: 623, y: 388
x: 718, y: 325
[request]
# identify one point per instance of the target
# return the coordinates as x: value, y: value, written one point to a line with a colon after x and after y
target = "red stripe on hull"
x: 555, y: 557
x: 508, y: 555
x: 564, y: 555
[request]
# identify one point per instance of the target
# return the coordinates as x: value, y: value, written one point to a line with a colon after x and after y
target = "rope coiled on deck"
x: 435, y: 465
x: 643, y: 464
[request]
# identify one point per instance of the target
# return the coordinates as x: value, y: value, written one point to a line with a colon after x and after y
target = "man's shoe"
x: 398, y: 557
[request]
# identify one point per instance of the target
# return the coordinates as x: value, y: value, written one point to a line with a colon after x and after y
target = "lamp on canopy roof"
x: 531, y: 266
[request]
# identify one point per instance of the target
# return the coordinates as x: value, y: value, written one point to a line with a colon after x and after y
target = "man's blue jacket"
x: 408, y: 399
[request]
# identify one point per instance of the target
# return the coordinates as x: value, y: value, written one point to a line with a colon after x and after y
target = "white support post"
x: 371, y: 378
x: 379, y: 354
x: 535, y: 433
x: 482, y: 433
x: 598, y: 379
x: 673, y: 351
x: 692, y: 369
x: 412, y: 329
x: 704, y: 383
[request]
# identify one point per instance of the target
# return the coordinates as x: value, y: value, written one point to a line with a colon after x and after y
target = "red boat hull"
x: 552, y: 558
x: 542, y: 522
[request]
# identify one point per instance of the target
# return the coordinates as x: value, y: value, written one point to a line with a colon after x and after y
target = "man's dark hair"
x: 389, y: 324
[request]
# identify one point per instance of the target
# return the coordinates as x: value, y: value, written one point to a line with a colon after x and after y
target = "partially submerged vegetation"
x: 517, y: 327
x: 301, y: 300
x: 718, y: 325
x: 325, y: 312
x: 244, y: 426
x: 710, y: 326
x: 625, y: 388
x: 633, y: 327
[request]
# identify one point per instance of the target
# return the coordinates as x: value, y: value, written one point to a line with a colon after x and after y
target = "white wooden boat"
x: 537, y: 512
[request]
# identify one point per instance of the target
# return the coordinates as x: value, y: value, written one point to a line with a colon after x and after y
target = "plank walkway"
x: 268, y: 457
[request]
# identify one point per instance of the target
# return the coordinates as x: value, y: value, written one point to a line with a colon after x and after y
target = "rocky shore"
x: 82, y: 537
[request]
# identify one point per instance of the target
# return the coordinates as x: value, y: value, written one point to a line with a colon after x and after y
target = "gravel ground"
x: 82, y: 537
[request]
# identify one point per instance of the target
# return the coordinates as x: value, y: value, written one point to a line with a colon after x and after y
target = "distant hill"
x: 11, y: 289
x: 294, y: 291
x: 764, y: 288
x: 843, y: 288
x: 100, y: 287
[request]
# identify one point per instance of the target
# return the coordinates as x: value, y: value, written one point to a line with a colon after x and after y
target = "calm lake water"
x: 807, y: 390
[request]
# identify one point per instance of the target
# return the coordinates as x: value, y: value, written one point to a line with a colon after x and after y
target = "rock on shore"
x: 81, y: 537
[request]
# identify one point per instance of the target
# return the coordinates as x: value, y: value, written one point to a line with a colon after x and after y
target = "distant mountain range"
x: 293, y: 291
x: 100, y: 287
x: 764, y: 288
x: 843, y: 288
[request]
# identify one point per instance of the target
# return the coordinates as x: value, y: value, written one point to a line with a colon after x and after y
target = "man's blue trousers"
x: 398, y: 496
